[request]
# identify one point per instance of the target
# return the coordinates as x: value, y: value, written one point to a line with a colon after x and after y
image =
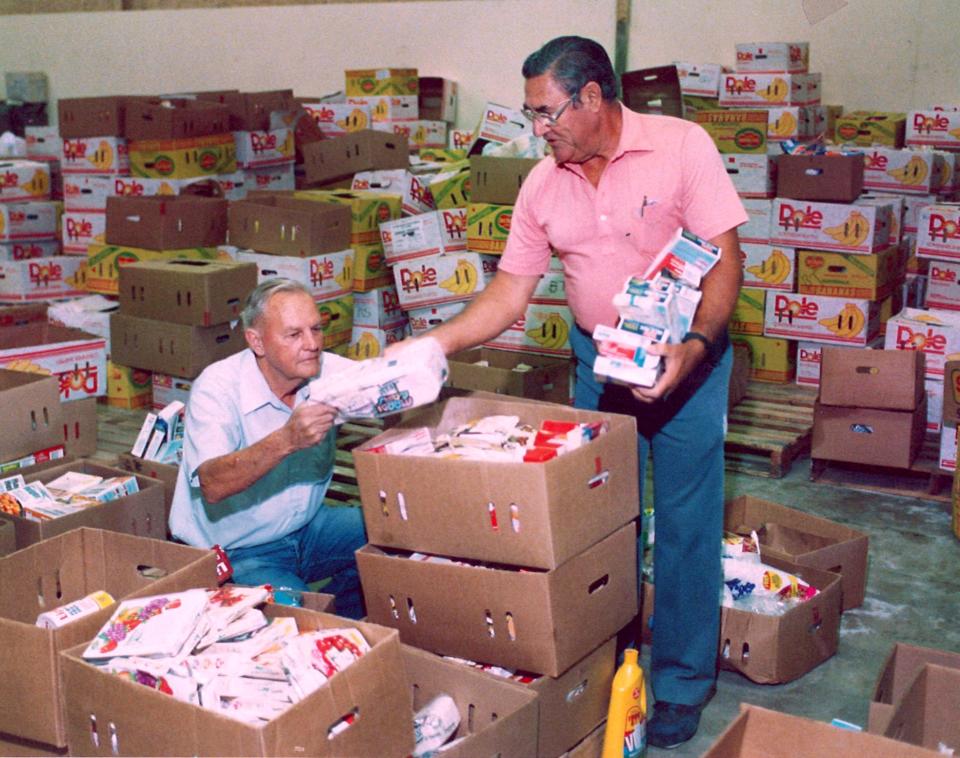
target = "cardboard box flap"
x: 31, y: 409
x: 926, y: 714
x: 902, y: 666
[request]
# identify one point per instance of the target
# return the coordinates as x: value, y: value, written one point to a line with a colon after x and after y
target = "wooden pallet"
x: 924, y: 479
x: 343, y: 489
x: 769, y: 429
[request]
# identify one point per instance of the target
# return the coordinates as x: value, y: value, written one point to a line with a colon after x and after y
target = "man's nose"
x: 540, y: 128
x: 314, y: 340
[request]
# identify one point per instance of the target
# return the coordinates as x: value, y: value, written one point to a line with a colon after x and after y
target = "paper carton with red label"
x: 544, y: 329
x: 39, y: 279
x: 25, y: 249
x: 933, y: 129
x: 28, y: 221
x: 419, y: 133
x: 769, y: 57
x: 701, y: 79
x: 388, y: 108
x: 830, y: 226
x: 267, y: 148
x: 427, y: 234
x: 327, y: 276
x: 935, y: 332
x: 759, y: 220
x: 95, y: 155
x: 86, y: 193
x: 752, y: 175
x: 442, y: 278
x: 943, y: 285
x: 21, y: 181
x: 378, y: 308
x: 938, y: 231
x: 770, y: 267
x: 769, y: 90
x: 501, y: 124
x: 77, y: 359
x: 280, y: 178
x: 413, y: 188
x: 80, y: 230
x: 424, y: 319
x: 370, y: 342
x: 918, y: 172
x: 837, y: 320
x: 338, y: 119
x: 788, y: 122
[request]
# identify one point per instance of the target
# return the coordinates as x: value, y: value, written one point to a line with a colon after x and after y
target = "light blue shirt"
x: 230, y: 408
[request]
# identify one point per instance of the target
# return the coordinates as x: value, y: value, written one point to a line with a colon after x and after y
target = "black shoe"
x: 672, y: 724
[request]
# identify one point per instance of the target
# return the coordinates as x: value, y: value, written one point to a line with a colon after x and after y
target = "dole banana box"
x: 337, y: 119
x: 266, y: 178
x: 788, y: 122
x: 87, y: 193
x: 183, y: 158
x: 440, y: 157
x: 28, y: 221
x: 426, y: 234
x: 488, y: 226
x: 701, y: 79
x: 943, y: 285
x: 934, y: 389
x: 388, y: 109
x: 326, y: 276
x: 423, y: 133
x: 759, y: 220
x: 830, y: 226
x: 911, y: 211
x: 80, y: 230
x: 165, y: 388
x: 898, y: 207
x: 837, y: 320
x: 42, y: 141
x: 544, y: 329
x: 459, y: 139
x: 368, y: 210
x: 752, y: 175
x: 442, y: 278
x: 39, y: 279
x: 260, y: 149
x: 938, y: 231
x: 935, y: 332
x: 370, y: 342
x: 736, y: 131
x: 101, y: 272
x: 770, y: 267
x: 413, y: 188
x: 22, y: 180
x: 769, y: 90
x: 771, y: 360
x: 451, y: 188
x: 911, y: 171
x: 370, y: 269
x: 424, y: 319
x: 382, y: 81
x: 499, y: 124
x: 95, y: 155
x: 747, y: 316
x: 870, y: 128
x: 809, y: 356
x: 933, y: 129
x: 773, y: 57
x: 21, y: 251
x: 871, y: 277
x: 378, y: 309
x: 336, y: 320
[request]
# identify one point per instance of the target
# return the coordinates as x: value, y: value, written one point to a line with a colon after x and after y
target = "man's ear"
x: 591, y: 95
x: 254, y: 341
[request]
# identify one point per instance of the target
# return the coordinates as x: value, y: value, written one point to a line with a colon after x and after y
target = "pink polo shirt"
x: 665, y: 174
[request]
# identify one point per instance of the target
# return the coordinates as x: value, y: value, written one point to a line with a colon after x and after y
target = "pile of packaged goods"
x: 749, y: 584
x: 65, y: 495
x: 656, y: 307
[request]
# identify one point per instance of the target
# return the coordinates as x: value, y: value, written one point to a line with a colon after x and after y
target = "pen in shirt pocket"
x: 648, y: 202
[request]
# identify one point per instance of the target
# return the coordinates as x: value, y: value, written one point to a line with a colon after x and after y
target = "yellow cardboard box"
x: 871, y: 128
x: 872, y: 277
x: 184, y: 158
x: 451, y: 188
x: 488, y: 225
x: 101, y: 272
x: 748, y: 313
x: 128, y: 387
x: 336, y: 318
x: 370, y: 269
x: 736, y: 131
x: 382, y: 81
x: 771, y: 360
x: 368, y: 210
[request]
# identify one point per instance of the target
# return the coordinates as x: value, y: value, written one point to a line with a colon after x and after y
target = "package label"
x: 830, y: 226
x: 823, y: 319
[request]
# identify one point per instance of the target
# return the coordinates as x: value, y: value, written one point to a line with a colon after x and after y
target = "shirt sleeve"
x: 710, y: 201
x: 527, y: 252
x: 211, y: 428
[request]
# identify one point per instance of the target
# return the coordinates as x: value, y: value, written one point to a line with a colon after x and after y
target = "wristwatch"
x: 714, y: 349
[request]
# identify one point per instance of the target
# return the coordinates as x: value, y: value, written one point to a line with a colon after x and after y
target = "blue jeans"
x: 685, y: 434
x: 322, y: 548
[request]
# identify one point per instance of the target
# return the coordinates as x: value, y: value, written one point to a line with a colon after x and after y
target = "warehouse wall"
x: 887, y: 54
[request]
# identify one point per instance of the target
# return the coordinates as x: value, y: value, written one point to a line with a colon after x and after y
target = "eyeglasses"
x: 547, y: 119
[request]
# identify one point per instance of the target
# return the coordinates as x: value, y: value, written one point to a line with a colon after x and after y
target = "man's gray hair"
x: 260, y: 295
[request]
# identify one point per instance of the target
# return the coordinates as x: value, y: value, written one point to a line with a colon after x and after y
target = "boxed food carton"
x: 526, y: 619
x: 42, y: 141
x: 336, y: 119
x: 277, y: 178
x: 498, y: 124
x: 413, y: 188
x: 943, y: 286
x: 388, y: 110
x: 769, y: 266
x: 377, y: 308
x: 736, y: 131
x: 899, y: 671
x: 167, y: 388
x: 910, y: 171
x: 805, y: 539
x: 290, y: 226
x: 845, y: 321
x: 935, y: 333
x: 938, y: 231
x: 437, y: 98
x: 336, y: 320
x: 362, y: 150
x: 382, y: 81
x: 370, y: 341
x: 326, y: 276
x: 830, y: 178
x: 497, y: 180
x: 933, y: 128
x: 701, y: 79
x: 870, y: 128
x: 127, y: 387
x: 934, y: 390
x: 792, y: 122
x: 451, y: 188
x: 773, y: 57
x: 327, y: 722
x: 759, y: 221
x: 442, y: 278
x: 35, y: 220
x: 76, y: 359
x: 830, y: 226
x: 531, y: 376
x: 23, y: 180
x: 250, y: 111
x: 747, y: 316
x: 424, y: 235
x: 370, y: 270
x: 771, y: 360
x: 60, y: 570
x: 187, y: 158
x: 91, y: 116
x: 166, y: 223
x: 80, y: 427
x: 653, y: 90
x: 872, y: 277
x: 19, y: 251
x: 258, y: 149
x: 890, y: 379
x: 809, y: 356
x: 876, y: 437
x: 924, y: 714
x: 420, y: 133
x: 544, y: 329
x: 951, y: 391
x: 548, y: 526
x: 80, y: 230
x: 31, y: 409
x: 173, y: 118
x: 109, y: 156
x: 368, y: 209
x: 102, y: 271
x: 198, y: 293
x: 488, y: 226
x: 424, y: 319
x: 768, y: 90
x: 752, y: 175
x: 39, y: 279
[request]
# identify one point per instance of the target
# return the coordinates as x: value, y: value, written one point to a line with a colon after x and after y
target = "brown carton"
x: 926, y: 714
x: 831, y: 178
x: 289, y: 226
x: 497, y: 716
x: 80, y: 427
x: 898, y: 673
x: 27, y: 313
x: 341, y: 157
x: 197, y: 293
x: 525, y: 514
x: 372, y: 691
x: 61, y: 570
x: 174, y: 118
x: 166, y: 223
x: 8, y: 538
x: 250, y: 111
x: 886, y: 379
x: 169, y: 348
x: 868, y: 435
x: 803, y: 538
x: 31, y: 413
x: 548, y: 379
x: 951, y: 391
x: 523, y: 619
x: 653, y: 90
x: 777, y: 649
x: 91, y: 116
x: 165, y: 473
x: 760, y: 733
x: 498, y: 180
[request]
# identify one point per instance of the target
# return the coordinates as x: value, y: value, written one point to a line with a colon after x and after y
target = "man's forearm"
x: 720, y: 288
x: 229, y: 474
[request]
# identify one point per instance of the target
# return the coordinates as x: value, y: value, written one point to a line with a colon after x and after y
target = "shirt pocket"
x: 652, y: 226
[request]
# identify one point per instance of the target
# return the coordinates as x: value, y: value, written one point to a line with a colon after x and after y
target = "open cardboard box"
x: 926, y: 713
x: 80, y: 427
x: 284, y: 225
x: 158, y: 222
x: 519, y: 619
x: 32, y: 414
x: 131, y: 719
x: 891, y: 379
x: 166, y: 473
x: 901, y: 668
x: 60, y: 570
x: 872, y: 436
x: 549, y: 378
x: 545, y: 513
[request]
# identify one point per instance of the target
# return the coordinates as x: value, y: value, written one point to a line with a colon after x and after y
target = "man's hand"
x: 309, y: 424
x: 679, y: 360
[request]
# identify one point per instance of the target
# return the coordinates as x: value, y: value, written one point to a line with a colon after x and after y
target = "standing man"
x: 617, y: 186
x: 258, y: 456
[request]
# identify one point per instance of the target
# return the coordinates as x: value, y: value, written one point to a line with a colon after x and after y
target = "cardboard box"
x: 951, y: 390
x: 20, y: 251
x: 935, y: 333
x: 938, y: 233
x: 900, y: 670
x: 546, y: 528
x: 701, y: 79
x: 497, y: 716
x: 442, y: 278
x: 766, y: 90
x: 327, y: 276
x: 370, y: 341
x: 167, y: 388
x: 370, y: 270
x: 176, y: 349
x: 911, y: 171
x: 291, y: 226
x: 498, y: 180
x: 193, y: 157
x: 830, y: 178
x: 127, y: 387
x: 424, y: 235
x: 924, y: 714
x: 388, y: 110
x: 165, y: 473
x: 761, y: 733
x: 752, y: 175
x: 250, y: 111
x: 336, y: 318
x: 437, y: 99
x: 365, y: 687
x: 42, y: 142
x: 378, y: 308
x: 451, y: 188
x: 948, y: 446
x: 60, y: 570
x: 747, y: 316
x: 891, y: 379
x: 413, y: 188
x: 768, y: 266
x: 424, y: 319
x: 530, y: 620
x: 91, y: 116
x: 259, y: 149
x: 39, y: 279
x: 498, y: 124
x: 823, y: 319
x: 367, y: 210
x: 830, y: 226
x: 32, y: 413
x: 25, y: 313
x: 382, y: 81
x: 794, y: 535
x: 166, y: 223
x: 809, y: 355
x: 933, y: 128
x: 736, y: 131
x: 107, y: 156
x: 870, y: 277
x: 488, y: 226
x: 76, y: 359
x: 653, y: 90
x: 773, y: 57
x: 942, y: 285
x: 80, y: 230
x: 771, y: 360
x: 102, y: 272
x: 80, y: 427
x: 792, y: 122
x: 544, y: 329
x: 173, y: 118
x: 868, y: 128
x: 759, y: 220
x: 547, y: 379
x: 28, y: 221
x: 868, y: 435
x: 197, y: 293
x: 22, y: 180
x: 337, y: 119
x: 362, y: 150
x: 778, y: 649
x: 934, y: 390
x: 277, y: 178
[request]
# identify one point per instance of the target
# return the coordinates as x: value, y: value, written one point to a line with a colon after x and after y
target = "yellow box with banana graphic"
x: 338, y: 119
x: 544, y: 330
x: 771, y: 360
x: 837, y: 320
x: 128, y: 387
x: 382, y: 81
x: 22, y: 180
x: 488, y: 226
x: 368, y: 210
x: 856, y: 228
x: 444, y: 155
x: 370, y: 341
x: 184, y: 158
x: 871, y: 277
x: 95, y: 155
x: 326, y: 276
x: 747, y: 316
x: 336, y: 320
x: 370, y: 269
x: 387, y: 109
x: 101, y: 273
x: 887, y: 169
x: 442, y: 278
x: 771, y: 267
x: 451, y: 188
x: 769, y: 90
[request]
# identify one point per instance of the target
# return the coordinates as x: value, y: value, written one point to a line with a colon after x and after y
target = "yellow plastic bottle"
x: 626, y: 732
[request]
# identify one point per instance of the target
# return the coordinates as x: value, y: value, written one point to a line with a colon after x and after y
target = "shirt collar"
x: 254, y: 390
